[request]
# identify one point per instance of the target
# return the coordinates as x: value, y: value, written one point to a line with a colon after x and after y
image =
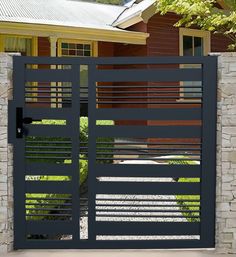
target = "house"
x: 75, y: 28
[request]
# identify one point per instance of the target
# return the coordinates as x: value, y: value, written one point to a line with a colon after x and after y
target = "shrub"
x: 41, y: 202
x: 83, y: 169
x: 42, y: 199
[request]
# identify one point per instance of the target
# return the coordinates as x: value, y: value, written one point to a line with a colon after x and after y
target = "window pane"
x: 64, y: 45
x: 65, y: 52
x: 198, y: 46
x: 72, y: 52
x: 87, y: 47
x: 79, y: 46
x: 87, y: 53
x: 19, y: 45
x: 194, y: 91
x: 187, y: 46
x: 72, y: 46
x: 79, y: 53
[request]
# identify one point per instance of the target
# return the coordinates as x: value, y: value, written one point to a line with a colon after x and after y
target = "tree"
x: 205, y: 15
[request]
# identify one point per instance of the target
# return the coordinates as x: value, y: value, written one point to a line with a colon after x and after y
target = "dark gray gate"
x: 151, y: 165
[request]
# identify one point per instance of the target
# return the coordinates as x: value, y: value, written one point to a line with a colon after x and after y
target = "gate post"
x: 6, y: 156
x: 226, y: 155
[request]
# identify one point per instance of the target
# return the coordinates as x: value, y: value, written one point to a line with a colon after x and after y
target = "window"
x: 25, y: 45
x: 193, y: 43
x: 193, y: 46
x: 72, y: 48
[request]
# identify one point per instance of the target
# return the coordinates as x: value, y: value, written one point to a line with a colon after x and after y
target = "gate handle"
x: 20, y: 121
x: 19, y: 124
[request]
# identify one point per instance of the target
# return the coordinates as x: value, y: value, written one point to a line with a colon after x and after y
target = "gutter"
x: 128, y: 21
x: 92, y: 34
x: 143, y: 14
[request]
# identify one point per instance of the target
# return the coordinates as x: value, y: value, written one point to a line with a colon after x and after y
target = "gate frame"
x: 209, y: 66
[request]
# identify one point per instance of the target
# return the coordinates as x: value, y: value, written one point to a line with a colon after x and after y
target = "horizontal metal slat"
x: 148, y: 131
x: 47, y: 113
x: 165, y: 75
x: 49, y: 227
x: 57, y: 187
x: 138, y: 102
x: 148, y: 114
x: 147, y: 228
x: 47, y: 130
x: 150, y: 170
x: 43, y: 75
x: 143, y: 188
x: 144, y: 209
x: 114, y: 244
x: 114, y: 60
x: 48, y: 169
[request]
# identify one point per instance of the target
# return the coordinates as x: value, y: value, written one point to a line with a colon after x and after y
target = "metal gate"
x: 149, y: 151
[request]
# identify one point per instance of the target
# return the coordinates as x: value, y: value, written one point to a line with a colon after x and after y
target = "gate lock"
x: 20, y: 121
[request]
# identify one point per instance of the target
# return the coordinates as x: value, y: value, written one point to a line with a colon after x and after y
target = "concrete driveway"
x: 114, y: 253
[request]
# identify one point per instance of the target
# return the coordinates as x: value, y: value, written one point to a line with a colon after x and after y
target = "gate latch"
x: 20, y: 121
x: 27, y: 120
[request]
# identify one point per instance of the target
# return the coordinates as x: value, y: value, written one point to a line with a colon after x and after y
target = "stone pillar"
x: 6, y: 157
x: 226, y: 155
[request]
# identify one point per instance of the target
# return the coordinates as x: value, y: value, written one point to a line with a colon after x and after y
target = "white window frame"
x: 206, y: 36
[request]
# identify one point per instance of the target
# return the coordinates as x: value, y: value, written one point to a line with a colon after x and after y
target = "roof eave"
x: 94, y: 34
x: 128, y: 21
x: 139, y: 16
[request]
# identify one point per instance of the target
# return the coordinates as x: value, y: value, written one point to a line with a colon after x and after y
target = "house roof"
x: 66, y: 18
x: 71, y: 13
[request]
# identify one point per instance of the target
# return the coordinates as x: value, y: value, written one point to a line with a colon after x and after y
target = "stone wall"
x: 226, y: 155
x: 6, y: 180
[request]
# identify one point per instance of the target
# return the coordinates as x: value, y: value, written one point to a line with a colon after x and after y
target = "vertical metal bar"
x: 91, y: 151
x: 208, y: 172
x: 19, y: 157
x: 75, y: 135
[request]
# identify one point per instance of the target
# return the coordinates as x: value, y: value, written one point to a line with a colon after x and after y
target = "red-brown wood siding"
x: 43, y: 46
x: 164, y: 37
x: 105, y: 49
x: 130, y: 49
x: 219, y: 43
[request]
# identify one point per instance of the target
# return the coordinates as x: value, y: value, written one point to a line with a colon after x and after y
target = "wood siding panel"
x: 132, y: 50
x: 164, y: 37
x: 219, y: 43
x: 43, y: 46
x: 105, y: 49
